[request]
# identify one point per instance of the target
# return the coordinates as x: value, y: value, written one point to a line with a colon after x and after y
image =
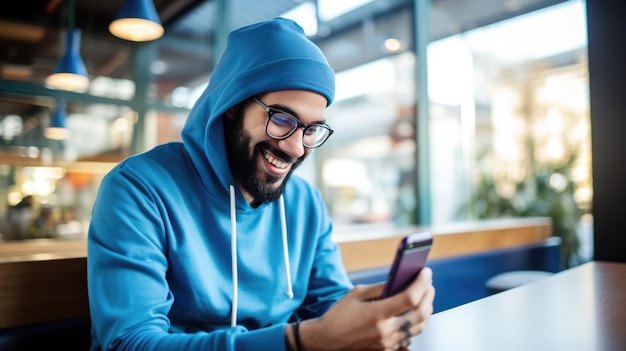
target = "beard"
x: 263, y: 187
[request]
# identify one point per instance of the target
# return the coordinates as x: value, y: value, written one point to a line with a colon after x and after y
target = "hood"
x: 268, y: 56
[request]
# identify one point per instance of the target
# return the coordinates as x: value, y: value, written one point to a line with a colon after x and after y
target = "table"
x: 581, y: 308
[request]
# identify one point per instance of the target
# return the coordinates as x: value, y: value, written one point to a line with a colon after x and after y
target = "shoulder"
x: 158, y: 157
x: 162, y: 164
x: 161, y: 159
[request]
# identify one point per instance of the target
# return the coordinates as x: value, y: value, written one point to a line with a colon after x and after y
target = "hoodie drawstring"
x: 233, y: 256
x: 233, y: 252
x: 283, y: 225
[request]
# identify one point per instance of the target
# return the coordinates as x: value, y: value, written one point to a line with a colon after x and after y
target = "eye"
x: 312, y: 130
x: 283, y: 120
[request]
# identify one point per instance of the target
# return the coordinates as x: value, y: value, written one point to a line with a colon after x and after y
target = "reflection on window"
x: 304, y: 14
x: 329, y: 9
x: 367, y: 168
x: 47, y: 186
x: 123, y: 89
x: 98, y: 130
x: 509, y: 121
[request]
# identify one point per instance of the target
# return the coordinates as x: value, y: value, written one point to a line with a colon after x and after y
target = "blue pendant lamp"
x: 137, y: 20
x: 57, y: 129
x: 70, y: 73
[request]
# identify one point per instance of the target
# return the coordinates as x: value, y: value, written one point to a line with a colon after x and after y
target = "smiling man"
x: 263, y: 166
x: 213, y: 244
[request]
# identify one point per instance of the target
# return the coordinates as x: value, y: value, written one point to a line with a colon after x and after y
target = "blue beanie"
x: 270, y: 56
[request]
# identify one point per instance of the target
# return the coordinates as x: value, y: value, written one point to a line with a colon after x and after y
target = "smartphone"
x: 409, y: 260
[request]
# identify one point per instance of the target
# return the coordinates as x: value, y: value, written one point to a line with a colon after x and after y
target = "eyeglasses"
x: 281, y: 125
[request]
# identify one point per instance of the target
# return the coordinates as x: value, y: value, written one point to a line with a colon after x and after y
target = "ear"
x: 231, y: 113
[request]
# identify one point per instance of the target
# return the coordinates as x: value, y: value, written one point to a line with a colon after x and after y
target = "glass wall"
x: 508, y: 117
x: 48, y: 181
x: 509, y: 123
x: 508, y: 128
x: 367, y: 169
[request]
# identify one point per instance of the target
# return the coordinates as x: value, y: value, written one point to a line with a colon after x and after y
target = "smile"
x: 275, y: 162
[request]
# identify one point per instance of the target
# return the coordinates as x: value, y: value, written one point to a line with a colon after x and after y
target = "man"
x: 213, y: 244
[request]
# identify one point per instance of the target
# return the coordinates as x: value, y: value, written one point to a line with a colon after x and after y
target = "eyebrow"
x: 286, y: 109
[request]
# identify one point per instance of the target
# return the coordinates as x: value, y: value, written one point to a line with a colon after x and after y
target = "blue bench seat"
x: 462, y: 279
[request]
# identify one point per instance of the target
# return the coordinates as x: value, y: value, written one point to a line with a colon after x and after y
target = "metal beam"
x: 423, y: 214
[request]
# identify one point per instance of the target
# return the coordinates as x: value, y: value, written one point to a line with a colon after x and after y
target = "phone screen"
x: 409, y: 260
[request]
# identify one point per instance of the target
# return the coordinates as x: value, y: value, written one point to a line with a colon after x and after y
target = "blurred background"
x: 446, y: 110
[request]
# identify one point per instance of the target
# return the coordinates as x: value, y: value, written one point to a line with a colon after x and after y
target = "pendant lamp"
x: 57, y: 129
x: 137, y: 20
x: 70, y: 73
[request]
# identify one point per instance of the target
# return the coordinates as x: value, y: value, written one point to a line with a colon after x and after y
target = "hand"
x: 361, y: 321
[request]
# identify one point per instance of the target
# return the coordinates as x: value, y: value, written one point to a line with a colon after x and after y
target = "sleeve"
x: 129, y: 295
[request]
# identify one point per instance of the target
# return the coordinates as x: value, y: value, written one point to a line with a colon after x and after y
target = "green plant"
x: 547, y: 192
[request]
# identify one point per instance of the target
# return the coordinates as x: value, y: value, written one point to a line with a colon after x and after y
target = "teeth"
x: 276, y: 162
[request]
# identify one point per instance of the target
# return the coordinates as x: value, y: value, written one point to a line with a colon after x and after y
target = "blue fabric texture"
x: 159, y: 259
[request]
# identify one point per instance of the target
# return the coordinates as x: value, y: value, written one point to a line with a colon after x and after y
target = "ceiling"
x: 31, y: 31
x: 31, y: 42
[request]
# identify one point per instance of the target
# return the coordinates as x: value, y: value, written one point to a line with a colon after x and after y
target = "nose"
x: 293, y: 144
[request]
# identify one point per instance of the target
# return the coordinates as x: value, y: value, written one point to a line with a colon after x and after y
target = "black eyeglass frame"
x: 271, y: 111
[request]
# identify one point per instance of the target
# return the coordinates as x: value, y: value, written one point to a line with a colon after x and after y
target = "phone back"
x: 410, y: 259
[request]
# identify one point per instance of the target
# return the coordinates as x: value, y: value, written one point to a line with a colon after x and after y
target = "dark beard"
x: 263, y: 188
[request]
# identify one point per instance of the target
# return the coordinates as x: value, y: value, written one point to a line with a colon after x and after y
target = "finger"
x: 420, y: 315
x: 401, y: 345
x: 399, y: 348
x: 368, y: 292
x: 404, y: 338
x: 411, y: 297
x: 425, y: 310
x: 405, y: 330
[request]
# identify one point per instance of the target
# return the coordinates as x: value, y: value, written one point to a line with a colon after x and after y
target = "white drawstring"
x: 283, y: 224
x: 233, y: 254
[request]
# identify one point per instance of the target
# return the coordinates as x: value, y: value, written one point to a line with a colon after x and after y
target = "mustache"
x: 264, y: 145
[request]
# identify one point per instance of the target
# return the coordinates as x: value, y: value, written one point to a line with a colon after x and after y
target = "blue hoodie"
x: 178, y: 259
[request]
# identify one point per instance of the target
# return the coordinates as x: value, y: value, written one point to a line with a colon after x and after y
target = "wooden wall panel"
x: 46, y: 280
x: 42, y: 291
x: 447, y: 241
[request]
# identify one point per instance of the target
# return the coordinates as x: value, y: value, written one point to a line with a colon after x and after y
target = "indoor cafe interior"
x: 492, y: 124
